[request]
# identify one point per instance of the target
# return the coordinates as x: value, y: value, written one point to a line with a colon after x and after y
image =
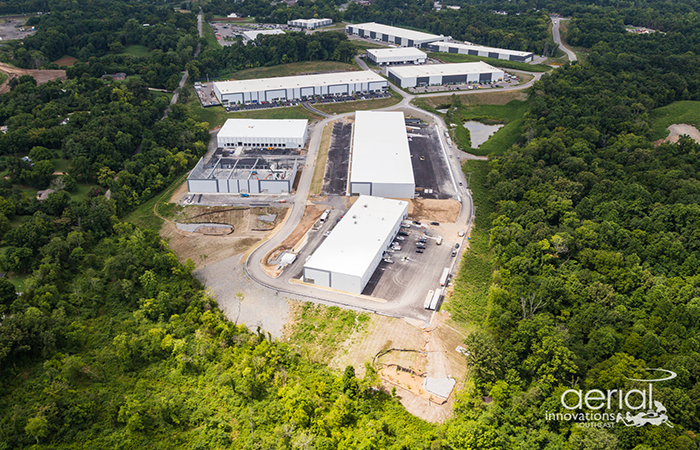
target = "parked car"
x: 435, y: 224
x: 400, y: 238
x: 456, y: 245
x: 415, y: 222
x: 420, y: 250
x: 454, y: 253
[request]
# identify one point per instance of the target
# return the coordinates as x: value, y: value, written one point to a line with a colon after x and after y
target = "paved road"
x: 557, y: 39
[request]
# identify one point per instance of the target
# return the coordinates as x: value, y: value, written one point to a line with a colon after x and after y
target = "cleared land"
x: 682, y: 112
x: 41, y: 76
x: 416, y: 353
x: 66, y: 60
x: 481, y: 98
x: 431, y: 209
x: 136, y: 50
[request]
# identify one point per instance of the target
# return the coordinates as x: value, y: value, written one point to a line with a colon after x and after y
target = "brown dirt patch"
x: 433, y: 210
x: 677, y: 130
x: 179, y: 193
x: 66, y: 61
x: 433, y: 354
x: 41, y: 76
x: 205, y: 249
x: 311, y: 214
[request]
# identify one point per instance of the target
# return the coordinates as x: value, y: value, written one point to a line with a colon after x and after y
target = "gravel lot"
x: 336, y: 178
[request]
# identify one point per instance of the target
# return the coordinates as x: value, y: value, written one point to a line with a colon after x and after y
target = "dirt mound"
x: 66, y: 61
x: 41, y: 76
x: 432, y: 209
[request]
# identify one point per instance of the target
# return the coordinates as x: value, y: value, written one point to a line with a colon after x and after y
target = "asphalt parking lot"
x: 335, y: 179
x: 312, y: 101
x: 508, y: 81
x: 430, y: 169
x: 412, y: 274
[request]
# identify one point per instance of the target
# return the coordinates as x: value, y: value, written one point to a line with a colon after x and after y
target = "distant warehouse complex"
x: 349, y: 256
x: 296, y: 87
x: 381, y: 159
x: 263, y: 133
x: 403, y: 55
x: 394, y: 35
x: 477, y: 50
x: 310, y: 24
x: 435, y: 74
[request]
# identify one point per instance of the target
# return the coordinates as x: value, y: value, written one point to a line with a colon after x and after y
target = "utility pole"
x: 469, y: 180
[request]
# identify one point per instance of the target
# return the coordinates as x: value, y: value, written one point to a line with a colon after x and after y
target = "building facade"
x: 390, y: 56
x: 478, y: 50
x: 298, y: 87
x: 443, y: 74
x: 250, y: 175
x: 394, y: 35
x: 263, y: 133
x: 310, y: 24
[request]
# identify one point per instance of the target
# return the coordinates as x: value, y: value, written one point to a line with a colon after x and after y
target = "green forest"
x: 583, y: 271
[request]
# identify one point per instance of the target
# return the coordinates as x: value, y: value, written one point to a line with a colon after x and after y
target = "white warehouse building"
x: 263, y: 133
x: 436, y: 74
x: 380, y: 156
x: 393, y: 35
x: 478, y: 50
x: 349, y: 256
x: 296, y: 87
x: 401, y: 55
x: 310, y: 24
x: 249, y: 36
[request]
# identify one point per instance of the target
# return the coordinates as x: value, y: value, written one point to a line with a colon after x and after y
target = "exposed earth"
x: 41, y: 76
x: 679, y: 129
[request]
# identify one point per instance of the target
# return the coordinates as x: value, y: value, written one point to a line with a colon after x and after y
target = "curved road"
x: 397, y: 308
x: 557, y: 39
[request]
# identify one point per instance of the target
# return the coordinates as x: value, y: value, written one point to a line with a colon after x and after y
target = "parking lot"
x: 509, y: 81
x: 13, y: 28
x: 318, y: 100
x: 411, y: 275
x: 335, y: 179
x: 430, y: 169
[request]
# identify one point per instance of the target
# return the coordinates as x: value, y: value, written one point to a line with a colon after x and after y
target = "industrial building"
x: 310, y: 24
x: 349, y: 256
x: 436, y: 74
x: 263, y: 133
x: 402, y: 55
x: 478, y: 50
x: 249, y: 175
x: 380, y: 156
x: 296, y: 87
x: 394, y: 35
x: 249, y: 36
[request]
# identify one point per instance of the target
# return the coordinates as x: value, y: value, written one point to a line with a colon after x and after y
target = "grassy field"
x: 457, y: 58
x: 318, y: 330
x: 210, y: 36
x: 364, y: 45
x: 168, y: 95
x: 145, y: 215
x: 136, y: 50
x: 362, y: 105
x: 216, y: 115
x: 469, y: 303
x: 319, y: 169
x: 3, y: 77
x: 284, y: 70
x: 677, y: 112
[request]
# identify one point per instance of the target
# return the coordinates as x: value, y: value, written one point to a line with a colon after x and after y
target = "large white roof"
x: 380, y: 152
x: 481, y: 48
x: 324, y: 79
x: 252, y: 35
x: 404, y: 52
x: 264, y: 128
x: 359, y: 236
x: 395, y: 31
x: 443, y: 69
